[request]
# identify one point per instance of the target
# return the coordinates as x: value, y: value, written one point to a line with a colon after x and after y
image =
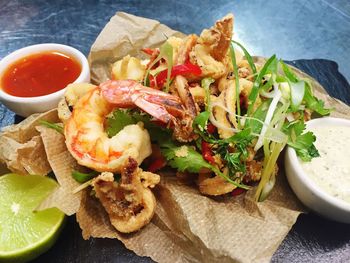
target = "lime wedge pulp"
x: 25, y: 234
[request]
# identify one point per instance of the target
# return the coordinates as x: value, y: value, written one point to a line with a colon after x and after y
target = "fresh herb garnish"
x: 269, y: 66
x: 165, y: 52
x: 118, y: 120
x: 301, y: 142
x: 192, y: 161
x: 235, y: 70
x: 51, y: 125
x: 247, y: 56
x: 201, y: 120
x: 83, y: 177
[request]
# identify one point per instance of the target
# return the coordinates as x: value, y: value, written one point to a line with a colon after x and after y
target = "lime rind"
x: 25, y: 234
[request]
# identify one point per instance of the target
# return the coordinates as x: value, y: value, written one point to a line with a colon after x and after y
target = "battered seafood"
x: 88, y: 142
x: 130, y: 203
x: 198, y: 105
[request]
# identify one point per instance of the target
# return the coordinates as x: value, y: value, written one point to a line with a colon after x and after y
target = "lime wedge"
x: 25, y: 234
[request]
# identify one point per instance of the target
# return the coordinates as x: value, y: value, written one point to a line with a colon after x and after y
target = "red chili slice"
x: 184, y: 69
x: 207, y: 153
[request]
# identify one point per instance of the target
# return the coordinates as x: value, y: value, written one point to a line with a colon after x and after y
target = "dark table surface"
x: 313, y: 35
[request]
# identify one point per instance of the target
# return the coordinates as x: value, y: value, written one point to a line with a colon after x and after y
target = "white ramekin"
x: 26, y: 106
x: 306, y: 190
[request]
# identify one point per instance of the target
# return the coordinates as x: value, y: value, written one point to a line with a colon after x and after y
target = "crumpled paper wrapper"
x: 187, y: 226
x: 21, y: 147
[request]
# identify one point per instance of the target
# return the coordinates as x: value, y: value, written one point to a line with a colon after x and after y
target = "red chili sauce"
x: 40, y: 74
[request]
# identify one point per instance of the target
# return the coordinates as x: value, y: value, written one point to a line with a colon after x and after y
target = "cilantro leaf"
x: 313, y: 103
x: 118, y: 120
x: 301, y: 142
x: 192, y: 162
x: 201, y: 120
x: 310, y: 100
x: 235, y: 160
x: 121, y: 118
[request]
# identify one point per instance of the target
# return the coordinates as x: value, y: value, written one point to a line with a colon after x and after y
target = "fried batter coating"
x: 129, y: 203
x: 210, y: 52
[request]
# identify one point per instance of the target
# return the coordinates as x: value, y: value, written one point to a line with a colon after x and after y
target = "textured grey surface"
x: 292, y: 29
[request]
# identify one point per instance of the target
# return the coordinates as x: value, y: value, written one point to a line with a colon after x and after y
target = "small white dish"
x: 308, y: 192
x: 26, y: 106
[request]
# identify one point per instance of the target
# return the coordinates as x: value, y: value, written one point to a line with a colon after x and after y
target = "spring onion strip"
x: 82, y: 186
x: 247, y: 56
x: 255, y: 90
x: 271, y: 134
x: 268, y: 170
x: 268, y: 118
x: 235, y: 70
x: 269, y: 95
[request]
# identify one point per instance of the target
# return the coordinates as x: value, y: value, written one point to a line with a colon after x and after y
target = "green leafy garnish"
x: 83, y: 177
x: 247, y: 56
x: 235, y: 70
x: 121, y: 118
x: 303, y: 143
x: 165, y: 52
x: 269, y: 66
x: 191, y: 161
x: 51, y: 125
x: 239, y: 143
x: 313, y: 103
x: 118, y: 120
x: 201, y: 120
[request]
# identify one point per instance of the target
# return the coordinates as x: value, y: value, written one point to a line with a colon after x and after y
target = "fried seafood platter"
x: 201, y: 105
x: 178, y: 147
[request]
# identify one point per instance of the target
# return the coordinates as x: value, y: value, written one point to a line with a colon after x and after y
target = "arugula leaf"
x: 51, y: 125
x: 83, y: 177
x: 118, y: 120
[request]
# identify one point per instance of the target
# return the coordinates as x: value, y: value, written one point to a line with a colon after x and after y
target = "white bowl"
x: 308, y: 191
x: 26, y: 106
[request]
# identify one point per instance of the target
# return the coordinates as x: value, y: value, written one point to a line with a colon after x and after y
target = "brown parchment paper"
x: 21, y: 147
x: 187, y: 226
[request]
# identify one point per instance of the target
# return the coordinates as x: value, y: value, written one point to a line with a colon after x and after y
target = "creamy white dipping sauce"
x: 331, y: 171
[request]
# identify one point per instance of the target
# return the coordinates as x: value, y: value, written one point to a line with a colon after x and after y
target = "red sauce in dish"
x: 40, y: 74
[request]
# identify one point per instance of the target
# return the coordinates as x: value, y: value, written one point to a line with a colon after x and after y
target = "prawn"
x: 85, y: 134
x: 88, y: 142
x: 169, y: 109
